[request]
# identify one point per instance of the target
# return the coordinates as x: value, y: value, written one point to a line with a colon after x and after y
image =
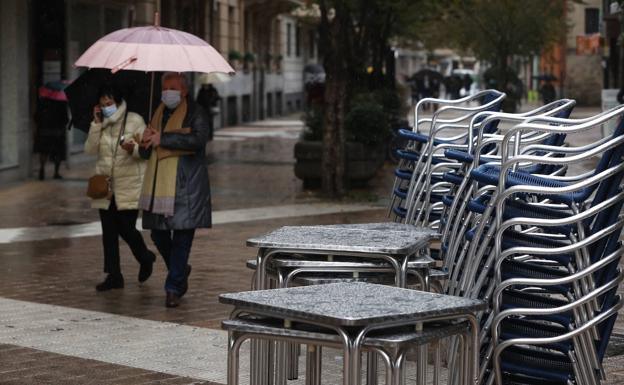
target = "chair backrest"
x: 606, y: 328
x: 558, y: 139
x: 496, y: 103
x: 608, y: 187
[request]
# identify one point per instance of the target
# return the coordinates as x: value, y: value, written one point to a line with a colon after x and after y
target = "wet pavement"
x: 254, y: 191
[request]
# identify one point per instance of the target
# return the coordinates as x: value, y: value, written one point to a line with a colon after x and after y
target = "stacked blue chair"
x: 453, y: 114
x: 459, y: 158
x: 459, y: 208
x: 545, y: 247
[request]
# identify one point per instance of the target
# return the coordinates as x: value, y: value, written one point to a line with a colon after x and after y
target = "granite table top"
x: 352, y: 304
x: 347, y: 239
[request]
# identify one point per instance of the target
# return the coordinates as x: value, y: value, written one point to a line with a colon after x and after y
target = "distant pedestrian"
x: 113, y: 136
x: 467, y: 84
x: 548, y: 93
x: 176, y: 191
x: 453, y: 85
x: 208, y: 97
x: 51, y: 125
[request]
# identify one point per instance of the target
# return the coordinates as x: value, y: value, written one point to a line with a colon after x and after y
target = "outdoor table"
x: 353, y: 310
x: 394, y: 243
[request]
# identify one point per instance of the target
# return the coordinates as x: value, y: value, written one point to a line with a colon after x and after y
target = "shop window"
x: 232, y: 111
x: 246, y: 108
x: 288, y: 39
x: 298, y: 41
x: 592, y: 20
x: 269, y: 111
x: 278, y: 103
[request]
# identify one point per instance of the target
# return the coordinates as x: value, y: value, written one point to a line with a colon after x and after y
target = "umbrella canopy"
x: 427, y: 72
x: 314, y: 69
x: 153, y: 48
x: 134, y: 86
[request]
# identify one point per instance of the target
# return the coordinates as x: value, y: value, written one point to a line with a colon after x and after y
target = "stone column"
x: 15, y: 119
x: 144, y: 12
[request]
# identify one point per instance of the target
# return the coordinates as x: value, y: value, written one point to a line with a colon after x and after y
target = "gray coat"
x: 192, y: 201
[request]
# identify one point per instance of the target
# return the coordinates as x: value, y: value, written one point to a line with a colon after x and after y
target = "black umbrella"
x: 427, y: 72
x: 133, y: 85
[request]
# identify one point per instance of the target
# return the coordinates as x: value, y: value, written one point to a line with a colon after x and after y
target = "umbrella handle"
x: 151, y: 102
x: 123, y: 64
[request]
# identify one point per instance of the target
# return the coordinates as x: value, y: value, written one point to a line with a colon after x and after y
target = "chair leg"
x: 254, y: 361
x: 314, y: 360
x: 436, y: 363
x: 293, y: 360
x: 280, y: 362
x: 233, y: 358
x: 371, y: 369
x: 456, y: 360
x: 397, y: 370
x: 468, y: 359
x: 421, y: 365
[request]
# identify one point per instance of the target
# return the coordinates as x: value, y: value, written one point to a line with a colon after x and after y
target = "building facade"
x: 264, y: 40
x: 577, y: 62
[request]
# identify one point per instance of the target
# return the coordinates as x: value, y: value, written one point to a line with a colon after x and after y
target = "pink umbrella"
x: 153, y: 48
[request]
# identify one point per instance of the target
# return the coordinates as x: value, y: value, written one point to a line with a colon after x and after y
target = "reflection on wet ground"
x: 247, y: 169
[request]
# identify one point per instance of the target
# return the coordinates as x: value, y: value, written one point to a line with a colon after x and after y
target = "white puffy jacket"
x: 127, y: 169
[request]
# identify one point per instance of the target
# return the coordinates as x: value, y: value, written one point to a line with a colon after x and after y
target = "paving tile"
x: 51, y: 368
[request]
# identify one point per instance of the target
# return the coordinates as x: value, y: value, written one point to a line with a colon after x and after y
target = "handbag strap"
x: 121, y: 131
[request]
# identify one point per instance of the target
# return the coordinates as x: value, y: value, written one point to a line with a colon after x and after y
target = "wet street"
x: 55, y: 328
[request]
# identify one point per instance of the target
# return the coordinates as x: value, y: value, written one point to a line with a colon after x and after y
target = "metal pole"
x: 151, y: 101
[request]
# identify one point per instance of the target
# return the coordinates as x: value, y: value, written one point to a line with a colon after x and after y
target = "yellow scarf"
x: 159, y: 183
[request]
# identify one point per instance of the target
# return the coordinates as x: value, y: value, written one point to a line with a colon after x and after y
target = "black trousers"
x: 122, y: 223
x: 175, y: 247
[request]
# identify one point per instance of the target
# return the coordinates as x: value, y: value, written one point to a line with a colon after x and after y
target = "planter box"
x: 363, y: 162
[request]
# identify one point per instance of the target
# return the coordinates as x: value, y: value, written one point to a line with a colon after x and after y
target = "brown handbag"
x: 100, y: 186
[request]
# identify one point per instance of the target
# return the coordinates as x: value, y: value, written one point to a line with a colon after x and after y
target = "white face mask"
x: 108, y: 111
x: 171, y: 98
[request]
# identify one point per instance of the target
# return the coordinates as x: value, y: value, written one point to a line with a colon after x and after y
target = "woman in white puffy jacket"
x: 118, y: 157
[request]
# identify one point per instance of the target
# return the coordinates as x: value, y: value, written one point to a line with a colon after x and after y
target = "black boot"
x: 111, y: 282
x: 185, y: 288
x: 41, y: 173
x: 147, y: 266
x: 57, y: 165
x: 172, y: 300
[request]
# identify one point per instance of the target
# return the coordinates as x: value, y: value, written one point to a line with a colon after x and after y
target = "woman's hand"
x: 155, y: 138
x: 128, y: 146
x: 151, y: 138
x: 97, y: 114
x: 145, y: 139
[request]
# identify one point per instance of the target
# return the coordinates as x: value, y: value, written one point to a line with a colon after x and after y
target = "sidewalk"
x: 51, y: 253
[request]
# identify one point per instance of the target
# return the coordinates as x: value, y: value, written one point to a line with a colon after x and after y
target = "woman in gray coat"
x: 176, y: 190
